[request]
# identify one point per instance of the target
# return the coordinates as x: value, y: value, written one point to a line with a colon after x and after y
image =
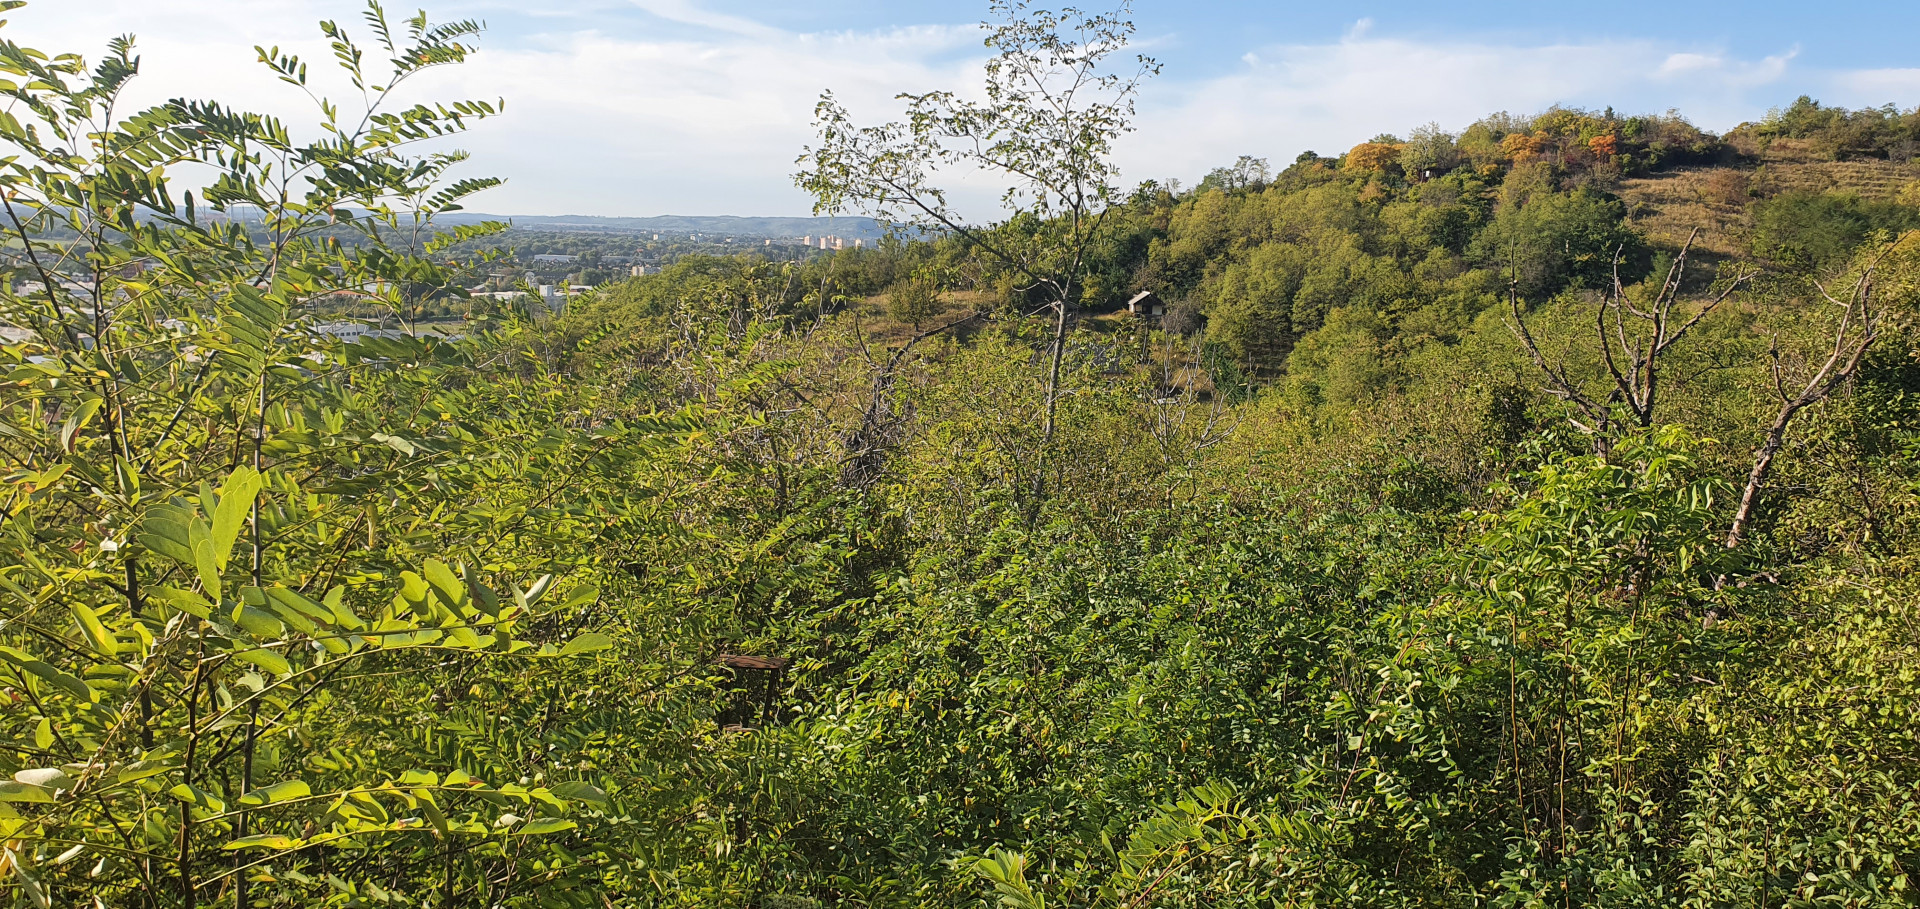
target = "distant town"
x: 546, y: 264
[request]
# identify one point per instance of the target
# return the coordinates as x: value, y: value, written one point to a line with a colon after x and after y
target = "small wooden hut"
x: 1147, y: 304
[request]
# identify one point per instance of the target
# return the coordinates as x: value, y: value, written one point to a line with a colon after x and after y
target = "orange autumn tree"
x: 1372, y: 156
x: 1522, y: 147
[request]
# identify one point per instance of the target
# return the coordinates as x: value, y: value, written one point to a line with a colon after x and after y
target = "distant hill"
x: 727, y: 225
x: 722, y: 225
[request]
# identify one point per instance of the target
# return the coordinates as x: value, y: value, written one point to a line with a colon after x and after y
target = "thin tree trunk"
x: 1762, y: 463
x: 242, y: 897
x: 1057, y: 352
x: 189, y: 896
x: 1839, y: 369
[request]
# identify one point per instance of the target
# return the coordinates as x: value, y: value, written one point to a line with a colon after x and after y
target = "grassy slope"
x: 1666, y: 206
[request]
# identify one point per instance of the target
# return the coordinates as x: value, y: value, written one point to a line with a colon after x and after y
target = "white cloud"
x: 1330, y: 97
x: 689, y: 126
x: 200, y: 49
x: 688, y: 14
x: 1682, y: 64
x: 1718, y: 70
x: 1878, y: 86
x: 595, y: 123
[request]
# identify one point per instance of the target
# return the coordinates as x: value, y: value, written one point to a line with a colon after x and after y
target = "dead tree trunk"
x: 864, y: 448
x: 1860, y: 325
x: 1632, y: 339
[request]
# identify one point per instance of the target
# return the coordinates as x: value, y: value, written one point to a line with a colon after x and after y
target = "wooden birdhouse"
x: 754, y: 700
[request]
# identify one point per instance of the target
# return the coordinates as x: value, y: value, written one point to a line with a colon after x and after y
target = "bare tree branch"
x: 1860, y: 326
x: 1631, y: 339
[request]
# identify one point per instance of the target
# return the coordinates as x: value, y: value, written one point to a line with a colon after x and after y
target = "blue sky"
x: 1194, y: 34
x: 640, y: 107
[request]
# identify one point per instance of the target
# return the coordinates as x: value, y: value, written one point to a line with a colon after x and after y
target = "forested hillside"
x: 1522, y: 516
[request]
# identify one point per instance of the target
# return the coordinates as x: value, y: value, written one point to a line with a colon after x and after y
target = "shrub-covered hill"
x: 1443, y: 542
x: 1424, y: 234
x: 1343, y: 590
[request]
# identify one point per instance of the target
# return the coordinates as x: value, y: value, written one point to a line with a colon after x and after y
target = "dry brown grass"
x: 882, y: 328
x: 1669, y: 205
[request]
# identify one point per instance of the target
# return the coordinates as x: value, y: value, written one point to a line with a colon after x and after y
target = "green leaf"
x: 266, y: 659
x: 489, y: 601
x: 48, y: 673
x: 43, y: 734
x: 166, y: 532
x: 140, y: 770
x: 394, y: 442
x: 236, y: 502
x: 413, y: 589
x: 252, y: 322
x: 281, y: 610
x: 575, y: 790
x: 578, y: 595
x: 259, y: 622
x: 78, y: 419
x: 343, y: 616
x: 14, y: 791
x: 419, y: 778
x: 434, y: 817
x: 292, y: 600
x: 462, y: 636
x: 201, y: 800
x: 96, y: 633
x: 206, y: 559
x: 44, y: 777
x: 278, y: 792
x: 72, y: 685
x: 185, y: 600
x: 127, y: 476
x: 532, y: 595
x: 22, y: 863
x: 587, y: 643
x: 451, y: 589
x: 546, y: 825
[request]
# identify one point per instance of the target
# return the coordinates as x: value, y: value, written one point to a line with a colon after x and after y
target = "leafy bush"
x: 1815, y: 231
